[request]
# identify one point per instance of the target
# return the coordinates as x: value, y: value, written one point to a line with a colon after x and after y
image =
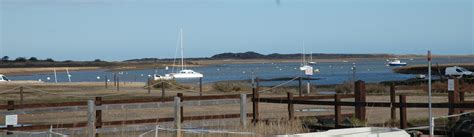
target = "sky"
x: 128, y: 29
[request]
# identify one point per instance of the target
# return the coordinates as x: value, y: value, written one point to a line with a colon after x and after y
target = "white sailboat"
x: 311, y: 62
x: 304, y: 65
x: 185, y: 73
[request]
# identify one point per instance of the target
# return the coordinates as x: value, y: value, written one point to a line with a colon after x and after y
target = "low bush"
x: 229, y: 86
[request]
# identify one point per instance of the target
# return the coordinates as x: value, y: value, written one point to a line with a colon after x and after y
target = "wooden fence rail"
x: 455, y: 104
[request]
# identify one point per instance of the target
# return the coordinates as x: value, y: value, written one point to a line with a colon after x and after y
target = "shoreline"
x: 126, y: 66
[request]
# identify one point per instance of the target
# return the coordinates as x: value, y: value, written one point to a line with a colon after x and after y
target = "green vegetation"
x: 230, y: 86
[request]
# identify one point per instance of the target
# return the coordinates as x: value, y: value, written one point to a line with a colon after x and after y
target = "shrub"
x: 375, y: 88
x: 171, y: 84
x: 227, y: 86
x: 344, y: 88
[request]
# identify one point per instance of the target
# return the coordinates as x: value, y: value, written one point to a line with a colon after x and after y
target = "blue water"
x: 373, y: 70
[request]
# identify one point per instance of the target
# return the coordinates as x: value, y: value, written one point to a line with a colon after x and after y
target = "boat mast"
x: 182, y: 54
x: 304, y: 55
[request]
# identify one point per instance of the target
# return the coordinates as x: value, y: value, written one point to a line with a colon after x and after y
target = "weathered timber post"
x: 453, y: 97
x: 177, y: 116
x: 403, y: 112
x: 181, y: 96
x: 337, y: 111
x: 98, y: 112
x: 106, y: 81
x: 255, y: 100
x: 360, y: 98
x: 200, y: 86
x: 243, y: 110
x: 10, y: 107
x: 393, y: 110
x: 162, y: 90
x: 300, y: 86
x: 91, y: 118
x: 115, y: 79
x: 149, y: 85
x: 118, y: 83
x: 291, y: 110
x: 21, y: 95
x: 462, y: 92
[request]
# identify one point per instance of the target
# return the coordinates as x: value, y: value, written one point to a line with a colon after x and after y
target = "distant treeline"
x: 254, y: 55
x: 21, y: 62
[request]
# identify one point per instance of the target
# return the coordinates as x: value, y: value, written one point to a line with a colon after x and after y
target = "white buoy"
x: 98, y: 77
x: 48, y: 78
x: 149, y: 75
x: 108, y: 80
x: 39, y: 80
x: 166, y: 67
x: 141, y: 75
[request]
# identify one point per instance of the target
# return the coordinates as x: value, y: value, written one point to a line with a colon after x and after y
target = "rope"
x: 279, y: 85
x: 455, y: 115
x: 8, y: 90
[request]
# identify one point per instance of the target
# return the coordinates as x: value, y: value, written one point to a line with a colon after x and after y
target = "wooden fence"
x: 455, y: 105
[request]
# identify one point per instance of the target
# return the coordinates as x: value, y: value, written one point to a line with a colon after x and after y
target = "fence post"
x: 255, y: 105
x: 453, y: 97
x: 257, y: 85
x: 118, y: 83
x: 10, y: 107
x: 462, y: 92
x: 91, y: 118
x: 300, y: 86
x: 360, y: 99
x: 291, y: 110
x: 392, y: 102
x: 200, y: 86
x: 403, y: 112
x: 177, y: 116
x: 337, y: 111
x: 162, y: 89
x: 98, y: 113
x: 181, y: 96
x: 21, y: 95
x: 106, y: 81
x: 243, y: 110
x: 149, y: 85
x: 115, y: 79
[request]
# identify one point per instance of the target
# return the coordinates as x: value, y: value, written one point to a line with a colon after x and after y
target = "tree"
x: 5, y: 59
x: 49, y: 60
x: 33, y: 59
x: 20, y: 59
x: 97, y: 60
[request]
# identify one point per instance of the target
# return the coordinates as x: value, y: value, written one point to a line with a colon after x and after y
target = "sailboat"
x: 185, y: 73
x: 304, y: 65
x: 311, y: 62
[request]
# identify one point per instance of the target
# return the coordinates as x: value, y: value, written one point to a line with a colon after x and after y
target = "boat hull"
x: 183, y: 76
x: 391, y: 64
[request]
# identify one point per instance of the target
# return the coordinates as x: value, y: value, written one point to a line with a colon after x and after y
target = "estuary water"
x: 369, y: 70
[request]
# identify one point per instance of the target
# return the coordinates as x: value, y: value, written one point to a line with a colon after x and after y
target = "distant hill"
x: 254, y: 55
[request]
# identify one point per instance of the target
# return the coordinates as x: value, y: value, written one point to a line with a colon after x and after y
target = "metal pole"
x: 55, y: 76
x: 429, y: 95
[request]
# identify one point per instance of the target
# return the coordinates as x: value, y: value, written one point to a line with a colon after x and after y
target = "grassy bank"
x: 436, y: 69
